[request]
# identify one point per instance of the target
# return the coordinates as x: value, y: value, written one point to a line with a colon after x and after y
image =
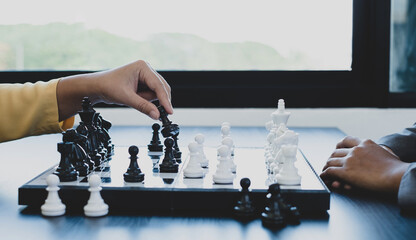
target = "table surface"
x: 352, y: 215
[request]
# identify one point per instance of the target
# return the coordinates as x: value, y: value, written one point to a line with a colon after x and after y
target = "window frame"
x: 365, y: 85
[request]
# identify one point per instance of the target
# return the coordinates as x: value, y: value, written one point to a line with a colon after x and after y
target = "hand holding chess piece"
x: 133, y: 85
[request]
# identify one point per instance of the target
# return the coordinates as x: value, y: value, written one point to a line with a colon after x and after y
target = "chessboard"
x: 173, y: 191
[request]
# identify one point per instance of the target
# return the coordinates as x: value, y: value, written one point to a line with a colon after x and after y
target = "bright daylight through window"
x: 176, y: 35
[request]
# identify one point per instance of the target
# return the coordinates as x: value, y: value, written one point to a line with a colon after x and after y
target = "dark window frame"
x: 366, y: 85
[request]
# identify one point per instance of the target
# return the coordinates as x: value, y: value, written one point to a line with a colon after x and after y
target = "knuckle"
x: 367, y: 142
x: 357, y: 150
x: 141, y: 63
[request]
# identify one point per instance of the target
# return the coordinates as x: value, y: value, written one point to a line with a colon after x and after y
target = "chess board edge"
x: 137, y: 199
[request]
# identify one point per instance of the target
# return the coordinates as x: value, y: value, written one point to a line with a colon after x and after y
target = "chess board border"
x: 312, y: 201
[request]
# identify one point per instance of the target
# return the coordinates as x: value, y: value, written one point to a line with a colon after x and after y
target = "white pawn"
x: 96, y: 207
x: 288, y: 174
x: 53, y: 205
x: 225, y: 131
x: 230, y: 144
x: 226, y: 124
x: 223, y: 175
x: 199, y: 138
x: 193, y: 169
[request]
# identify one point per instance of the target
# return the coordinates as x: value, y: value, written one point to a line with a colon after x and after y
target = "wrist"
x: 397, y: 174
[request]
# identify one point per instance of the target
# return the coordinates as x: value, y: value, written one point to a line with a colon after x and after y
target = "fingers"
x: 167, y: 86
x: 144, y: 106
x: 340, y: 152
x: 349, y: 142
x: 332, y: 174
x: 159, y: 85
x: 334, y: 162
x: 339, y: 185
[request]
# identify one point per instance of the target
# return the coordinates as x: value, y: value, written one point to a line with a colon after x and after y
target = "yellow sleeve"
x: 30, y: 109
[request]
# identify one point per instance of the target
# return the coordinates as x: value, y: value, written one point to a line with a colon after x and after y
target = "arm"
x: 133, y: 85
x: 33, y: 109
x: 407, y: 190
x: 28, y: 109
x: 402, y: 144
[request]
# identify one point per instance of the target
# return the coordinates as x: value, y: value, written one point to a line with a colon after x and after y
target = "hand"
x: 134, y: 85
x: 364, y: 164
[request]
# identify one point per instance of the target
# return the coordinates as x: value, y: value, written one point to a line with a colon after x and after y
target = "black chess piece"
x: 87, y: 128
x: 155, y: 144
x: 65, y: 171
x: 102, y: 137
x: 169, y: 129
x: 293, y: 214
x: 106, y: 125
x: 169, y: 163
x: 244, y: 208
x: 133, y: 174
x: 273, y: 215
x: 78, y: 155
x: 176, y: 151
x: 82, y: 141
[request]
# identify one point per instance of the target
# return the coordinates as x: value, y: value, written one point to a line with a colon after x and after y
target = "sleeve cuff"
x: 407, y: 189
x: 67, y: 123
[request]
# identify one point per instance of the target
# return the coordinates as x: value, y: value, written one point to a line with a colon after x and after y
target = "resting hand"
x: 134, y: 85
x: 364, y: 164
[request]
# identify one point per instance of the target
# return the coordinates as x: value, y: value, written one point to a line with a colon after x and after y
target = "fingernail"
x: 153, y: 114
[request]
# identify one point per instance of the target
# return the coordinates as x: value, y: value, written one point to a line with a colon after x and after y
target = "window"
x: 245, y: 53
x: 177, y: 35
x: 403, y: 46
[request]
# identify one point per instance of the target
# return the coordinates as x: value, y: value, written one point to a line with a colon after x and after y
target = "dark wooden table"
x: 352, y: 215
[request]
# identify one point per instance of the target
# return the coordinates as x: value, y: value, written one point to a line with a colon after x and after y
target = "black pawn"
x: 133, y: 174
x: 273, y: 215
x: 176, y: 151
x: 65, y: 171
x: 244, y: 208
x: 155, y: 144
x: 169, y: 164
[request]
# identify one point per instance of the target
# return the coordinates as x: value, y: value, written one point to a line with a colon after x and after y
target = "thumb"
x: 143, y: 106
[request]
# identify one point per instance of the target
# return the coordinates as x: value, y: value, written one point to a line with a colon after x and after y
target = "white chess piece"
x: 288, y: 174
x: 96, y: 207
x: 223, y: 175
x: 269, y: 125
x: 226, y: 124
x: 225, y: 131
x: 199, y: 138
x: 278, y: 161
x: 228, y: 141
x: 280, y: 115
x: 53, y: 205
x: 288, y: 137
x: 193, y: 169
